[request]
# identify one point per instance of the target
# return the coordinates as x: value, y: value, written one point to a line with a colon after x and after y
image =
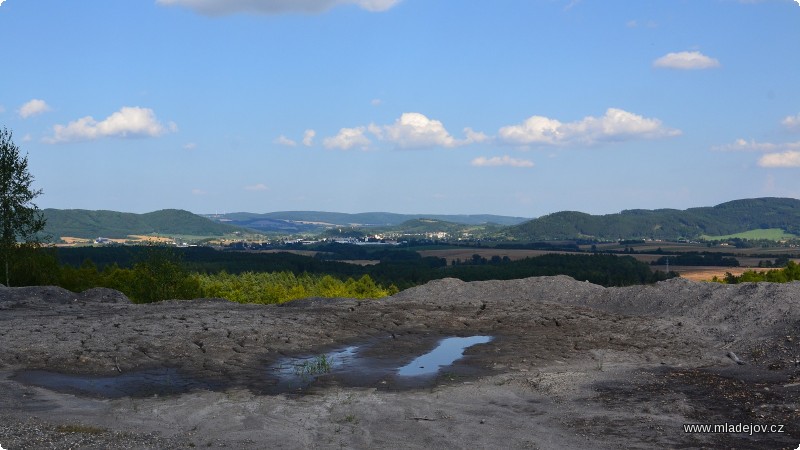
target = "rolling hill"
x: 81, y: 223
x: 724, y: 219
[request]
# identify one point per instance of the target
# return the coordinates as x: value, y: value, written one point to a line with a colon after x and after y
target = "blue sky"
x: 513, y: 107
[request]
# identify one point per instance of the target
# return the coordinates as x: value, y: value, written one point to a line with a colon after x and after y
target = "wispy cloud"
x: 308, y: 137
x: 792, y: 122
x: 257, y: 187
x: 616, y: 125
x: 641, y: 24
x: 128, y: 122
x: 788, y: 159
x: 776, y: 155
x: 742, y: 145
x: 224, y: 7
x: 34, y: 108
x: 284, y: 141
x: 501, y: 161
x: 686, y: 61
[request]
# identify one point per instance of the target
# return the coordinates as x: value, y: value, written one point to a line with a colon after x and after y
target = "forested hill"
x: 81, y: 223
x: 727, y: 218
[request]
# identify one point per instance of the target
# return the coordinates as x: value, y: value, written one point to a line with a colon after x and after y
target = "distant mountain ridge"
x: 727, y: 218
x: 724, y: 219
x: 309, y: 221
x: 82, y: 223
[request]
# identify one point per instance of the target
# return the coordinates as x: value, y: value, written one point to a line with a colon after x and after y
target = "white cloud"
x: 685, y: 61
x: 129, y: 121
x: 742, y: 145
x: 501, y: 161
x: 348, y: 138
x: 474, y: 137
x: 376, y: 102
x: 33, y: 108
x: 286, y: 142
x: 615, y: 125
x: 189, y: 146
x: 1, y: 2
x: 308, y: 137
x: 198, y: 192
x: 223, y: 7
x: 257, y: 187
x: 2, y: 109
x: 780, y: 160
x: 792, y: 122
x: 415, y: 130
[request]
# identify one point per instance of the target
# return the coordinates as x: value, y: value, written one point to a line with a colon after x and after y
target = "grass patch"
x: 319, y: 365
x: 771, y: 234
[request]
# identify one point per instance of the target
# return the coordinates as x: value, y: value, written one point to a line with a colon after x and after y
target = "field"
x: 772, y: 234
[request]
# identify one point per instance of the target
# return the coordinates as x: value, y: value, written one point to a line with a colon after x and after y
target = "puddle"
x: 351, y: 367
x: 377, y: 364
x: 134, y: 384
x: 298, y: 373
x: 446, y: 353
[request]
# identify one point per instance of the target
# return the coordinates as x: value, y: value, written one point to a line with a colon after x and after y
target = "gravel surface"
x: 571, y: 365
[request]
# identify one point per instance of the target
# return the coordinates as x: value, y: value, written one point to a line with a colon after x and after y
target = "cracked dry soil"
x: 571, y: 365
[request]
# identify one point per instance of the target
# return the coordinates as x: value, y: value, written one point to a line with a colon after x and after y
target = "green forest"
x: 725, y: 219
x: 148, y: 274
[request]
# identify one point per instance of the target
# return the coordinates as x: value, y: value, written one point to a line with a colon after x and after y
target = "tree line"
x: 785, y: 275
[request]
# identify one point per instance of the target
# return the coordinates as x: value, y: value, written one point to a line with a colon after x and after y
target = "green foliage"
x: 786, y: 275
x: 724, y: 219
x: 606, y: 270
x: 320, y: 364
x: 698, y: 259
x: 32, y: 265
x: 112, y: 224
x: 20, y: 218
x: 160, y: 275
x: 281, y: 287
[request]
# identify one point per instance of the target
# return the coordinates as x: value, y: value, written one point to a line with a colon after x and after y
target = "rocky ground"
x: 571, y: 365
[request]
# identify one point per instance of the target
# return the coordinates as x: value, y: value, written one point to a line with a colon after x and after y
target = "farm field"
x: 773, y: 234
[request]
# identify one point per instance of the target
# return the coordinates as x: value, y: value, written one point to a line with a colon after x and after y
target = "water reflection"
x: 446, y: 353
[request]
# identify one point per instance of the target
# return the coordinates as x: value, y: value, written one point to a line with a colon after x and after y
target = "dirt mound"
x: 603, y: 367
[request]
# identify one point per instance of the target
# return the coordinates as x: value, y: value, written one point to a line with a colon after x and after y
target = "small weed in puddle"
x: 320, y: 364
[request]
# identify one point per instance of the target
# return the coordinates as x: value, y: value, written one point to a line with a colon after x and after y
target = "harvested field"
x: 707, y: 273
x: 571, y: 365
x: 466, y: 254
